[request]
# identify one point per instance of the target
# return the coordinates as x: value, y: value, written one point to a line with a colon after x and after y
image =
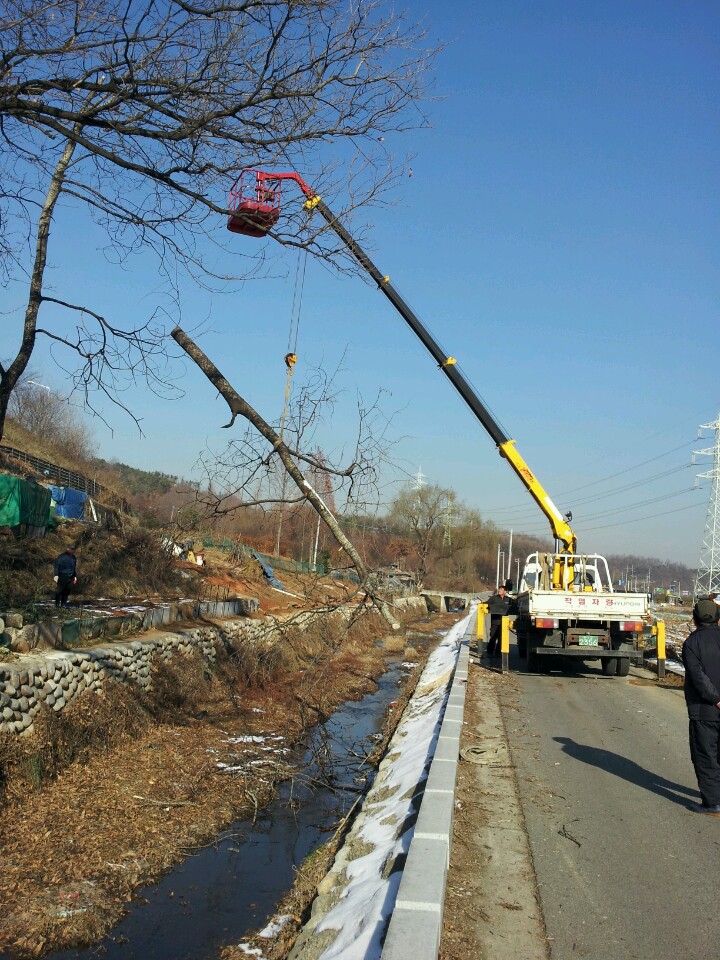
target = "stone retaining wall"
x: 113, y: 623
x: 55, y: 678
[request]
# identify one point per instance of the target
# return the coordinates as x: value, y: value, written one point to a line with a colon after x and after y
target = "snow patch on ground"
x: 275, y: 926
x: 366, y: 903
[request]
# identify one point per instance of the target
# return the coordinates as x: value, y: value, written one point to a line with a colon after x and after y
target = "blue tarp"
x: 345, y: 575
x: 269, y: 573
x: 69, y: 503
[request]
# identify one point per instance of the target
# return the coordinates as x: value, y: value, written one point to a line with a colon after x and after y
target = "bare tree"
x: 422, y: 513
x: 246, y: 474
x: 290, y: 460
x: 143, y: 115
x: 49, y: 416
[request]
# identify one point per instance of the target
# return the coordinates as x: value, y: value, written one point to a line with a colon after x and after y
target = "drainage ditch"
x: 233, y: 885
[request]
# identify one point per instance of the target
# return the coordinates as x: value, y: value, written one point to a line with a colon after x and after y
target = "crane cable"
x: 291, y: 355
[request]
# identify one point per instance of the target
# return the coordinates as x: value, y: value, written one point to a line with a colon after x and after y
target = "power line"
x: 652, y: 516
x: 536, y: 528
x: 610, y: 493
x: 640, y: 503
x: 611, y: 476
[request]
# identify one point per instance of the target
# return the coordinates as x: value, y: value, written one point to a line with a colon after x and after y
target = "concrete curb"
x: 416, y: 922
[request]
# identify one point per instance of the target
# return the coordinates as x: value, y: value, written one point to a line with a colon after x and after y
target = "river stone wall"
x: 56, y: 677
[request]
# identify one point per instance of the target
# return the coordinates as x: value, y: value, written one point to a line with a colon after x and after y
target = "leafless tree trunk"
x: 240, y: 407
x: 9, y: 377
x: 144, y: 115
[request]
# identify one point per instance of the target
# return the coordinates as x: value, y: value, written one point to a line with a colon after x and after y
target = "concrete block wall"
x: 97, y: 624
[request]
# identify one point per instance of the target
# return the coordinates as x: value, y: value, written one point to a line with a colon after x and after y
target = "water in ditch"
x: 217, y: 895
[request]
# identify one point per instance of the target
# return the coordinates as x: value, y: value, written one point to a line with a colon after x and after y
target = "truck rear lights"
x: 547, y: 623
x: 631, y: 626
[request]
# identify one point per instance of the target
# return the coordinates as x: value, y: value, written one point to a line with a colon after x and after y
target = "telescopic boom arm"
x: 447, y: 364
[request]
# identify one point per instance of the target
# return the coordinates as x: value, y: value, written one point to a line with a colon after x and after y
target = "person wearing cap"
x: 701, y: 656
x: 65, y: 576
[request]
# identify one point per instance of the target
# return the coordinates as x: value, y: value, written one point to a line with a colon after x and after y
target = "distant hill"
x: 136, y: 482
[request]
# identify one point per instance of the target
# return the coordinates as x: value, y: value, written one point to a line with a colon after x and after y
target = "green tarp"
x: 23, y: 502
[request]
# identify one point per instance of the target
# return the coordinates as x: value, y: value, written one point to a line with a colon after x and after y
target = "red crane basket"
x: 254, y: 203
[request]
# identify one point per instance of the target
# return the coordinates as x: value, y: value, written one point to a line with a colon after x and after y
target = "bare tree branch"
x: 146, y: 113
x: 240, y: 407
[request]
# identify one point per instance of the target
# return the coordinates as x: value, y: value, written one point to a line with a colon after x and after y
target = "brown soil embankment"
x: 121, y: 786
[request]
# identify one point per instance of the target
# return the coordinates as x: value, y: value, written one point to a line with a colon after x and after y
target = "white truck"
x: 583, y: 620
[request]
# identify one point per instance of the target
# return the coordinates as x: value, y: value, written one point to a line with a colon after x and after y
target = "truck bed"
x: 593, y: 606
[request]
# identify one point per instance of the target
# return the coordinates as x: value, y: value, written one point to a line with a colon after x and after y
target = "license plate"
x: 586, y: 640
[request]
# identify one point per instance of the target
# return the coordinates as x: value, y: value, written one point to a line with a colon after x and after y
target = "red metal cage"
x: 254, y: 203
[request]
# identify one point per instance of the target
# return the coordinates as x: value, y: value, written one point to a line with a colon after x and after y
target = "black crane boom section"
x: 448, y: 368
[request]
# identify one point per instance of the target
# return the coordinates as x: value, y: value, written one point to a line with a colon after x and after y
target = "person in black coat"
x: 65, y: 576
x: 498, y: 607
x: 701, y: 656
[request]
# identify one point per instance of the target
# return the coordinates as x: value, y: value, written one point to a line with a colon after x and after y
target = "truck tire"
x: 533, y: 661
x: 623, y: 666
x: 609, y: 666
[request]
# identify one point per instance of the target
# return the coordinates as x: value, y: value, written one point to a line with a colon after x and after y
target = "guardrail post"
x: 480, y: 629
x: 661, y: 648
x: 505, y: 645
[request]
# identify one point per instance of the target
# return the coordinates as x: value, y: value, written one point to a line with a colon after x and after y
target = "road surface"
x: 624, y: 868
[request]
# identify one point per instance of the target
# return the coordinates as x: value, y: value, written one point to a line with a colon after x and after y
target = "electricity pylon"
x: 447, y: 527
x: 707, y: 579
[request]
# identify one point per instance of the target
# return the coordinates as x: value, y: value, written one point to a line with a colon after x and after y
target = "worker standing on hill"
x: 701, y: 656
x: 65, y: 576
x: 498, y: 607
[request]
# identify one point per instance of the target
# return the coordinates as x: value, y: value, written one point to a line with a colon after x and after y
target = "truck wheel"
x: 623, y: 666
x: 522, y: 646
x: 609, y: 666
x: 533, y: 664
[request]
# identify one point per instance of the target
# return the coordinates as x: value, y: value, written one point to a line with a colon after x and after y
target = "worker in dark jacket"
x: 65, y: 576
x: 498, y: 607
x: 701, y: 656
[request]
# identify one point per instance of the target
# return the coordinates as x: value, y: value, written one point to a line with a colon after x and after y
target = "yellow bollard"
x: 661, y: 648
x: 480, y: 628
x: 505, y: 645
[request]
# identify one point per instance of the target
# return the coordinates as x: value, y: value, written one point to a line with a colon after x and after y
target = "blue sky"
x: 558, y: 235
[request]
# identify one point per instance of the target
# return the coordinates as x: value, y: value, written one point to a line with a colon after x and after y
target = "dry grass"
x: 120, y: 787
x: 111, y: 564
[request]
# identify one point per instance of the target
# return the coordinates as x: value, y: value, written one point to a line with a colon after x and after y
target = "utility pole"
x: 509, y: 561
x: 497, y: 569
x: 707, y: 579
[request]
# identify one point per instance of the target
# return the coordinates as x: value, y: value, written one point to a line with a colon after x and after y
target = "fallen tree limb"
x: 240, y: 407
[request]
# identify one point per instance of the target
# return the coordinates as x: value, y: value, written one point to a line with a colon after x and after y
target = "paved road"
x: 624, y: 869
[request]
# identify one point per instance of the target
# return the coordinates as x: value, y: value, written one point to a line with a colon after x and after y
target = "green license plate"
x: 587, y: 641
